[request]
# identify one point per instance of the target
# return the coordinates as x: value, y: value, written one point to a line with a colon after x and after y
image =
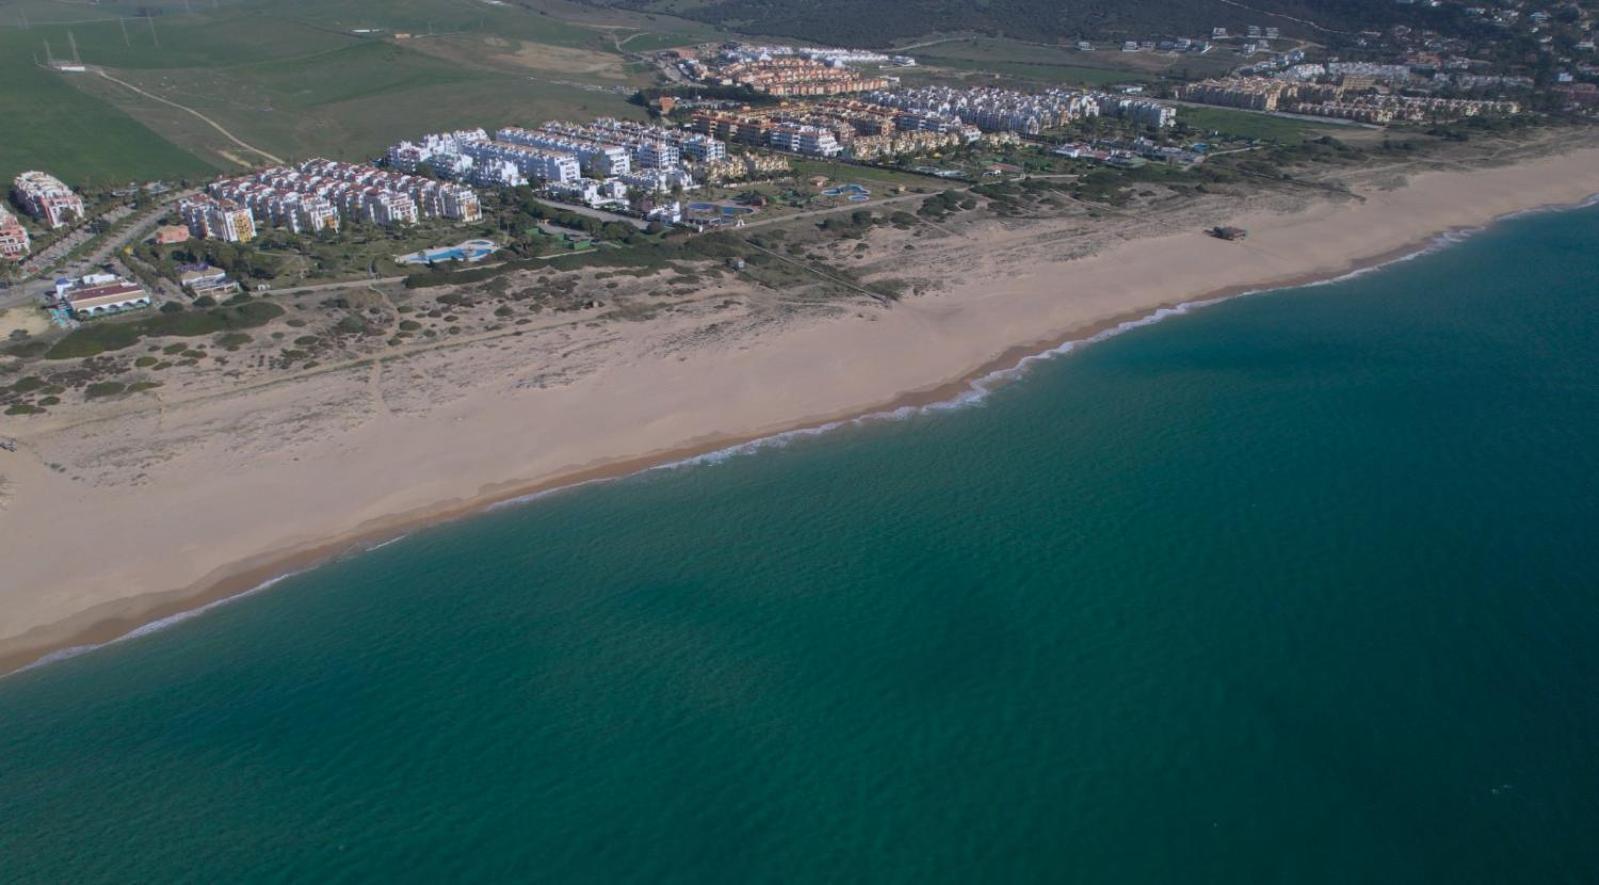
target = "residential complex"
x: 217, y: 218
x: 315, y: 194
x: 13, y: 237
x: 691, y: 146
x: 994, y: 110
x: 598, y: 159
x: 584, y: 162
x: 1338, y: 100
x: 786, y: 71
x: 856, y: 129
x: 47, y: 198
x: 470, y: 155
x: 432, y: 199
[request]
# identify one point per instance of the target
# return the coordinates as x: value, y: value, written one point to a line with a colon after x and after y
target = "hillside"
x: 880, y: 23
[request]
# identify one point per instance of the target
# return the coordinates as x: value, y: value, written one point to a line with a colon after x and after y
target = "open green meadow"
x: 1041, y: 72
x: 298, y: 78
x: 1058, y: 64
x: 1243, y: 124
x: 86, y: 141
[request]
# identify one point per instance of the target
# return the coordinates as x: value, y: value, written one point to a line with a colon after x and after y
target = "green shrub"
x: 104, y: 388
x: 95, y: 339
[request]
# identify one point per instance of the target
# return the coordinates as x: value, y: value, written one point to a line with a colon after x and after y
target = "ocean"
x: 1299, y: 587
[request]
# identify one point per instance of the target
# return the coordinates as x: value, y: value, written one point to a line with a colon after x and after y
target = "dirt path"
x: 188, y: 110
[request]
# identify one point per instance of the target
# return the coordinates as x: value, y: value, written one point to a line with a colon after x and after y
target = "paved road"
x: 600, y: 214
x: 136, y: 230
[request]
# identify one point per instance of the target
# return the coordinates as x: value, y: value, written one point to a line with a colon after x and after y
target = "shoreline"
x: 248, y: 577
x: 136, y: 615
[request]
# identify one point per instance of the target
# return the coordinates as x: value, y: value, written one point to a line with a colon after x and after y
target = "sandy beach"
x: 122, y: 514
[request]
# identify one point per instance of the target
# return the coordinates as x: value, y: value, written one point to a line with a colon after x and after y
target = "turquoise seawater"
x: 1301, y: 587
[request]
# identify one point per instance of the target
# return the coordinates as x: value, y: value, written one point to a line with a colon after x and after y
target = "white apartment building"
x: 801, y: 139
x: 287, y: 208
x: 217, y: 219
x: 384, y: 195
x: 693, y: 145
x: 590, y: 192
x: 14, y: 244
x: 596, y: 158
x: 657, y: 180
x: 534, y: 164
x: 47, y: 198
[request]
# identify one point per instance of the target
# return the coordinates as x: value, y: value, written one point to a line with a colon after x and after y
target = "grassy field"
x: 1058, y: 64
x: 1040, y: 72
x: 294, y: 78
x: 878, y: 179
x: 351, y: 102
x: 1241, y: 124
x: 86, y: 141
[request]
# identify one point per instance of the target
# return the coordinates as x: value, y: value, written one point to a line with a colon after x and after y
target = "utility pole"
x: 73, y: 42
x: 48, y: 58
x: 124, y: 23
x: 153, y: 35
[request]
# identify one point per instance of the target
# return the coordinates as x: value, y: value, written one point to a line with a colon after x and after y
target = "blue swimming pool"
x: 471, y: 250
x: 718, y: 208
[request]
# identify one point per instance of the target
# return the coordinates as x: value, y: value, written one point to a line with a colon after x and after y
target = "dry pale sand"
x: 158, y: 510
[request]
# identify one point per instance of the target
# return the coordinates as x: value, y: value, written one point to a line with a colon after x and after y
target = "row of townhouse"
x: 728, y: 126
x: 1141, y: 111
x: 895, y: 144
x: 694, y: 146
x: 282, y: 206
x: 794, y: 77
x: 217, y: 218
x: 1262, y: 93
x: 803, y: 138
x: 14, y: 244
x: 47, y: 198
x: 526, y: 163
x: 657, y: 180
x: 761, y: 130
x: 312, y: 196
x: 1250, y: 93
x: 836, y: 57
x: 1383, y: 109
x: 647, y: 152
x: 746, y: 166
x: 994, y: 110
x: 356, y: 201
x: 432, y: 199
x: 590, y: 192
x: 596, y: 158
x: 470, y: 155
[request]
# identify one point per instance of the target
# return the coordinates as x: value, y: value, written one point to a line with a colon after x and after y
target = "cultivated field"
x: 296, y: 78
